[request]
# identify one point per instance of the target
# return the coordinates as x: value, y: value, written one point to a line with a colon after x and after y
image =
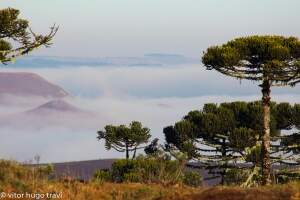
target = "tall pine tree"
x: 271, y: 60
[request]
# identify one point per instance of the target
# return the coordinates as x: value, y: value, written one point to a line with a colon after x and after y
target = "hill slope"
x: 57, y: 105
x: 28, y: 84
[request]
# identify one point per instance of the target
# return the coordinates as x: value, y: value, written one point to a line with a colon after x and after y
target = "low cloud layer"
x: 156, y: 96
x: 188, y: 80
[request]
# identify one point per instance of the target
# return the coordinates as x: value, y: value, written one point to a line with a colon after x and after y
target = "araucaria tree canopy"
x: 124, y: 138
x: 225, y: 139
x: 259, y: 58
x: 17, y: 38
x: 272, y: 60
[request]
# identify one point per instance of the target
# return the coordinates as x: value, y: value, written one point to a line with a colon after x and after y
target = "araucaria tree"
x: 225, y: 139
x: 124, y: 138
x: 271, y: 60
x: 17, y: 38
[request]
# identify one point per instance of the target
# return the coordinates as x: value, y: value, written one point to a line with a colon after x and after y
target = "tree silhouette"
x: 225, y: 136
x: 153, y: 148
x: 124, y: 138
x: 17, y: 38
x: 271, y: 60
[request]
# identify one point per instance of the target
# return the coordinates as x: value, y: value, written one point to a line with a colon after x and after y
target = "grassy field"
x: 19, y: 182
x: 130, y: 191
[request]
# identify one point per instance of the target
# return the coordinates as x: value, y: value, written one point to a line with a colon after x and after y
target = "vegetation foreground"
x: 16, y: 179
x: 131, y: 191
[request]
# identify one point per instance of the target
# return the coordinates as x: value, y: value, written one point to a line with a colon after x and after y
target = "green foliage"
x: 11, y: 173
x: 152, y: 148
x: 16, y: 32
x: 182, y: 137
x: 239, y: 123
x: 210, y: 108
x: 122, y: 167
x: 296, y: 115
x: 102, y: 176
x: 250, y: 115
x: 283, y: 112
x: 290, y: 118
x: 287, y: 175
x: 146, y: 170
x: 236, y: 176
x: 253, y: 154
x: 291, y: 143
x: 241, y: 138
x: 125, y: 138
x: 192, y: 178
x: 17, y: 176
x: 217, y: 132
x: 257, y: 57
x: 133, y: 177
x: 273, y: 60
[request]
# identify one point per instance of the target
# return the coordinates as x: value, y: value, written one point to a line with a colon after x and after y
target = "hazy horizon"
x: 98, y: 55
x: 157, y: 96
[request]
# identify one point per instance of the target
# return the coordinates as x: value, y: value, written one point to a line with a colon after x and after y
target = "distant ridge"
x: 28, y: 84
x: 153, y: 59
x: 84, y: 170
x: 55, y: 113
x: 57, y: 105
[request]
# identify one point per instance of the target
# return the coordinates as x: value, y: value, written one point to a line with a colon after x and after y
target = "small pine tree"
x: 124, y: 138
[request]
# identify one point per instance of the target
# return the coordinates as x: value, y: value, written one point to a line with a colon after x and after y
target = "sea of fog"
x: 157, y: 96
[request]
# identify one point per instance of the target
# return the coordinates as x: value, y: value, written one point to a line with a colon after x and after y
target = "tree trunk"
x: 224, y: 165
x: 134, y: 154
x: 265, y: 147
x: 127, y: 151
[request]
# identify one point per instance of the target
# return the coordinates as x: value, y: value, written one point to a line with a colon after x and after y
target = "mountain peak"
x: 28, y: 84
x: 57, y: 105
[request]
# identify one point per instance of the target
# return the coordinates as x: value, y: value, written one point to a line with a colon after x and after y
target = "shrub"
x: 192, y: 178
x: 133, y: 177
x: 23, y: 177
x: 147, y: 170
x: 122, y: 167
x: 102, y: 175
x: 236, y: 176
x: 14, y: 175
x: 286, y: 175
x: 45, y: 171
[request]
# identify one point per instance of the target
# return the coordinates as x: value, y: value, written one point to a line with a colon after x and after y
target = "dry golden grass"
x: 289, y: 191
x: 18, y: 179
x: 134, y: 191
x: 109, y: 191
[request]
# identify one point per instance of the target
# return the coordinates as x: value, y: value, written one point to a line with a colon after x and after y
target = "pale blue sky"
x: 100, y: 28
